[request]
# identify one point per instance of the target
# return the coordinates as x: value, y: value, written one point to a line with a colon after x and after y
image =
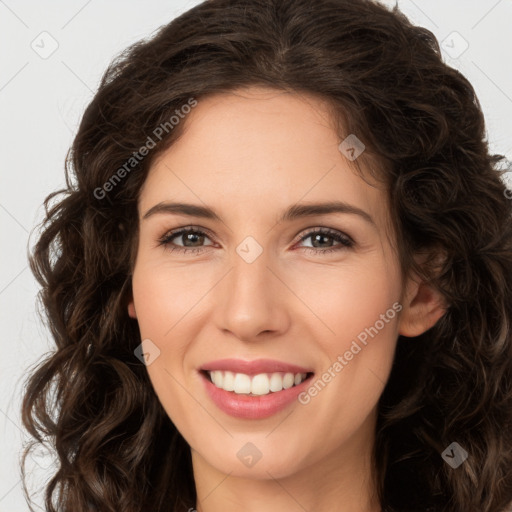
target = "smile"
x: 255, y: 385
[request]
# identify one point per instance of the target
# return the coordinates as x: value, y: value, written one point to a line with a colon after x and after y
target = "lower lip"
x: 253, y: 407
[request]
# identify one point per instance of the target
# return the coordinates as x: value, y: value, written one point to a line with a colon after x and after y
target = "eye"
x: 320, y: 235
x: 190, y: 237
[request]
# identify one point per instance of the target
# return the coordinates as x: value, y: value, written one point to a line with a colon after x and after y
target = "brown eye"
x: 192, y: 240
x: 324, y: 238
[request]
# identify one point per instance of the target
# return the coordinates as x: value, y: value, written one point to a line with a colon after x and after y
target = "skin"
x: 249, y: 155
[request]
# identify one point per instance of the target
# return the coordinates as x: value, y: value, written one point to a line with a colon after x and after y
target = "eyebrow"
x: 295, y: 211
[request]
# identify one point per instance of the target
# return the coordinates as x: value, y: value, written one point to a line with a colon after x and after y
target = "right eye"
x: 186, y: 235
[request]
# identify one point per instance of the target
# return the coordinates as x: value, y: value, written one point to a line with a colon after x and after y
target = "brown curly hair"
x: 92, y: 399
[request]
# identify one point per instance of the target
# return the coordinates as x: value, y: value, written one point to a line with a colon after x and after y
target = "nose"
x: 252, y: 302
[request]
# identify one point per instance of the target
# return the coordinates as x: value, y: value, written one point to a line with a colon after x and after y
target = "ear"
x: 422, y: 305
x: 131, y: 309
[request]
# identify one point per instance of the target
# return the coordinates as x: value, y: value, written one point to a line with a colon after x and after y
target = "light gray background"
x: 42, y: 99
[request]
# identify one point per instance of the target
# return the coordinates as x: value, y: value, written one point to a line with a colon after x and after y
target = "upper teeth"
x: 260, y: 384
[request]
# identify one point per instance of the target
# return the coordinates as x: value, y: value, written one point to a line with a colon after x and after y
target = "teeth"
x: 288, y: 380
x: 229, y: 381
x: 261, y: 384
x: 242, y: 383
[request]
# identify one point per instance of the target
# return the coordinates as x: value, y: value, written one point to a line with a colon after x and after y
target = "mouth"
x: 260, y: 384
x: 255, y: 389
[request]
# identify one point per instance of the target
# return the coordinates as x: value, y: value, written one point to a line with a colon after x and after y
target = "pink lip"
x: 253, y: 367
x: 252, y: 407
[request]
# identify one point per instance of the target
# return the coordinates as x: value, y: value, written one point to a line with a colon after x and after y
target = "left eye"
x: 197, y: 237
x: 317, y: 236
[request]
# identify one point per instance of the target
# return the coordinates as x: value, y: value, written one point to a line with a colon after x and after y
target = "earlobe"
x: 423, y: 306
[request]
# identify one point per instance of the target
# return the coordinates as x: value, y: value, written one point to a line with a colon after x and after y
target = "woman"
x: 212, y: 353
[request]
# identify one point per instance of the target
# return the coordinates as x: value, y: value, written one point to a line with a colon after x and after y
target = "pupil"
x: 319, y: 237
x: 190, y: 237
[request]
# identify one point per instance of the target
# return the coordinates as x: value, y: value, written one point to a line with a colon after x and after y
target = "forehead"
x: 263, y: 149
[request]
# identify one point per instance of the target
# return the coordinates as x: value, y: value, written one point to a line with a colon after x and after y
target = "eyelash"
x: 345, y: 241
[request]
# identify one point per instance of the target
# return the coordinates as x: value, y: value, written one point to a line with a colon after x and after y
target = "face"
x: 251, y: 273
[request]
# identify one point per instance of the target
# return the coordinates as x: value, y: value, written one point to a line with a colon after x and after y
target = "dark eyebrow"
x: 293, y: 212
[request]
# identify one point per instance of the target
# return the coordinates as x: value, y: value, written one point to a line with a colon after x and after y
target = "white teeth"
x: 217, y: 378
x: 261, y: 384
x: 242, y: 383
x: 229, y: 381
x: 288, y: 380
x: 276, y: 382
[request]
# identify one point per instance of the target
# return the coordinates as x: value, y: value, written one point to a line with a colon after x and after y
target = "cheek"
x: 163, y: 302
x: 368, y: 333
x: 361, y: 309
x: 163, y: 296
x: 351, y: 301
x: 168, y: 302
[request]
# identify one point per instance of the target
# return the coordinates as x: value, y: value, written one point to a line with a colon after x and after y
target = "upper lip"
x: 253, y: 367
